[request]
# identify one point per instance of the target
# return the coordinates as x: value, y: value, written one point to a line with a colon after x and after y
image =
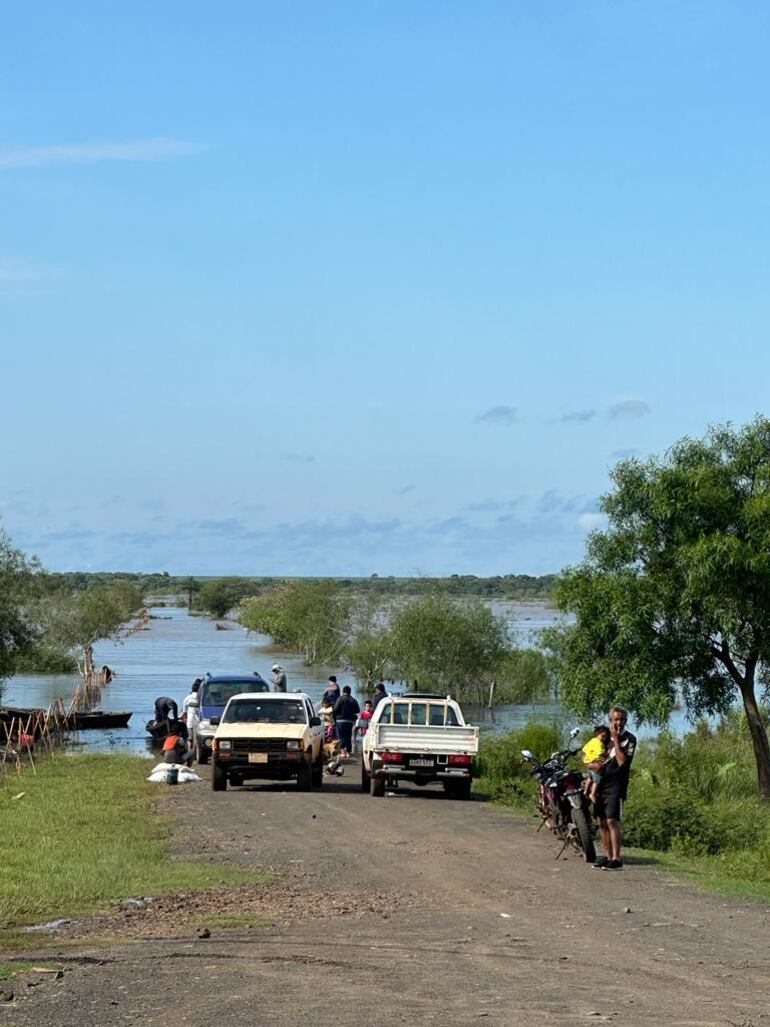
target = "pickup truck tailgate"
x: 427, y: 739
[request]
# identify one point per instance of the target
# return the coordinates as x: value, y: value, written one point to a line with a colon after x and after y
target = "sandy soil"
x: 408, y: 909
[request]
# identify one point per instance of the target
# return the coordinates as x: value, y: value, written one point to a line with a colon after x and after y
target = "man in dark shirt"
x: 379, y: 694
x: 346, y: 710
x: 166, y: 709
x: 614, y: 789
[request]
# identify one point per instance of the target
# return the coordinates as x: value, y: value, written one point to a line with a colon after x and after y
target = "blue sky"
x: 368, y: 287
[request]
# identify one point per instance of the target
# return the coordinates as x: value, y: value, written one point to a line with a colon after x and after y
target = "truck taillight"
x: 392, y: 757
x: 459, y: 761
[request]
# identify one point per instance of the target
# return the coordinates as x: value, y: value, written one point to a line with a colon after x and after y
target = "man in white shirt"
x: 190, y: 711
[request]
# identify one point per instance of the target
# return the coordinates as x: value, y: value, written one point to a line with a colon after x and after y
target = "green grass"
x: 83, y: 835
x: 22, y: 966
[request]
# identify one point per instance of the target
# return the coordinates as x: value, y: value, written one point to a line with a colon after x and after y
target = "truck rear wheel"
x: 376, y: 786
x: 458, y: 789
x: 318, y: 772
x: 365, y: 779
x: 218, y: 778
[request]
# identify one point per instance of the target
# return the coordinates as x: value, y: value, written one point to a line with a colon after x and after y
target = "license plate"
x: 420, y: 763
x: 257, y: 757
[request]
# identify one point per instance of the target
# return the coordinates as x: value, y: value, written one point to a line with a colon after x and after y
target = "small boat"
x: 93, y: 719
x: 158, y: 730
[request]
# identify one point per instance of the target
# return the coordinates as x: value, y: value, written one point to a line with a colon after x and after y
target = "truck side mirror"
x: 315, y: 721
x: 214, y: 721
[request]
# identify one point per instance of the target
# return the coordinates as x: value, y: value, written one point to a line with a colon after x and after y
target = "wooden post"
x: 491, y: 694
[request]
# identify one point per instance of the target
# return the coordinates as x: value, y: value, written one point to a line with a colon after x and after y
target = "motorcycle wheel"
x: 583, y: 828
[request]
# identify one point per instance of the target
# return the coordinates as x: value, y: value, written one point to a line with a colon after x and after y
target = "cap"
x: 276, y: 667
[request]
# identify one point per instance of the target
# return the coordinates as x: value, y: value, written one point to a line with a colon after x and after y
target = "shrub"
x: 502, y: 770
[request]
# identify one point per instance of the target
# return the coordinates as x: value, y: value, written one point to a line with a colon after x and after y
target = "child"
x: 362, y: 724
x: 594, y: 756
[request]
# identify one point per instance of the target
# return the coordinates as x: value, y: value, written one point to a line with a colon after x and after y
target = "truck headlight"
x: 224, y: 744
x: 295, y: 745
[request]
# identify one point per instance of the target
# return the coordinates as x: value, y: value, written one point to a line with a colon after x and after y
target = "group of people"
x: 343, y: 717
x: 344, y: 720
x: 607, y: 756
x: 176, y: 744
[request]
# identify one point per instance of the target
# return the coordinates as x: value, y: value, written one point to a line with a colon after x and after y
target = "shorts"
x: 595, y: 776
x: 609, y: 803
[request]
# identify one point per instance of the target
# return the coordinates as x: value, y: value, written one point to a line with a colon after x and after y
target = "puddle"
x: 49, y: 925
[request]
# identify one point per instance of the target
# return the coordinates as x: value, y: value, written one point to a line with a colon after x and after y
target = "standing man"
x: 614, y: 789
x: 332, y: 692
x: 379, y: 694
x: 190, y: 708
x: 346, y: 711
x: 279, y: 678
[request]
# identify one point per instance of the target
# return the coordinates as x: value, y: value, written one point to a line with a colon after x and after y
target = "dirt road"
x: 409, y: 909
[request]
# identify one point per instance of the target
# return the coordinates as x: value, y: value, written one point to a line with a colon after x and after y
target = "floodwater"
x: 175, y: 648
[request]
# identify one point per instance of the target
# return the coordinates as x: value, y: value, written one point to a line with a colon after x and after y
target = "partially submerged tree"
x: 80, y: 619
x: 17, y: 630
x: 311, y: 617
x: 450, y: 645
x: 672, y: 601
x: 371, y: 647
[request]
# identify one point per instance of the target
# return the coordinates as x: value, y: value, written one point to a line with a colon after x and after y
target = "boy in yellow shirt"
x: 594, y: 757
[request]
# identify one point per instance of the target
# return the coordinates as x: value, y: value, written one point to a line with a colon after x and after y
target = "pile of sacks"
x: 172, y: 774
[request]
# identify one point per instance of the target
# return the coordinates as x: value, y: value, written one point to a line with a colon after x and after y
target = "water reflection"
x: 175, y: 648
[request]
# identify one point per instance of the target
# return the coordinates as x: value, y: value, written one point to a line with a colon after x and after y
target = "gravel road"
x: 411, y: 909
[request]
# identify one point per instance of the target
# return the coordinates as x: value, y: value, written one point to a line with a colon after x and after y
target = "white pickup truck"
x: 419, y: 738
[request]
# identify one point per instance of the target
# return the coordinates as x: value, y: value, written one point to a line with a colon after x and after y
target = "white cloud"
x: 629, y: 408
x: 160, y: 148
x: 590, y: 521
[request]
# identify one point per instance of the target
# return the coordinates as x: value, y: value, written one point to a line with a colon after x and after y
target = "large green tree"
x: 450, y: 645
x: 77, y: 620
x: 308, y: 616
x: 672, y: 601
x: 17, y: 630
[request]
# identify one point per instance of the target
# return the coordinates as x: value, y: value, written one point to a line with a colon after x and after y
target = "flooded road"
x: 175, y: 648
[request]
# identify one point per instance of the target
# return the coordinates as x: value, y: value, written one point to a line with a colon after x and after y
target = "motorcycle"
x: 562, y: 803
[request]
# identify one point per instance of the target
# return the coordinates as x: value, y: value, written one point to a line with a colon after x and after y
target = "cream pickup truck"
x: 420, y: 738
x: 270, y: 736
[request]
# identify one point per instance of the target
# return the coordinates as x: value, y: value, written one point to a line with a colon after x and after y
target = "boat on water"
x: 92, y: 719
x: 75, y: 720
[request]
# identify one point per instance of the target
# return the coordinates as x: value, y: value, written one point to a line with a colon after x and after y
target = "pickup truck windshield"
x: 275, y: 711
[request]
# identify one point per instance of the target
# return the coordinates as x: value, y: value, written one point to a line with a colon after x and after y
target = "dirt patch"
x: 411, y: 909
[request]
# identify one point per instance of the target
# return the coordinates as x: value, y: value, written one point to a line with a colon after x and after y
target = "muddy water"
x: 176, y: 648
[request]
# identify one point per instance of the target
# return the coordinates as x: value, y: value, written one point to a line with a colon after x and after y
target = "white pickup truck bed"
x: 443, y: 740
x: 420, y: 739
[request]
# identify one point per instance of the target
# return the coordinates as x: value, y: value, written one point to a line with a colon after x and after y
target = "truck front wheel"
x: 201, y: 753
x: 305, y: 777
x: 218, y: 778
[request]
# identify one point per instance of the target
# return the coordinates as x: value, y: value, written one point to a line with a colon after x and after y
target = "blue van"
x: 215, y: 692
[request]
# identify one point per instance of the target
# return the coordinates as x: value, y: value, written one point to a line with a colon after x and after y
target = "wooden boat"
x: 94, y: 719
x: 20, y: 714
x: 75, y: 720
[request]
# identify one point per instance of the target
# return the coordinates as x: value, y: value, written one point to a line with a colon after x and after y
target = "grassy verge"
x: 83, y: 835
x: 693, y: 807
